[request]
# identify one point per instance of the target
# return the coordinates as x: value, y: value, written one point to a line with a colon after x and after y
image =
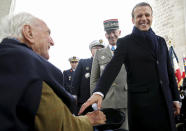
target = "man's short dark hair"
x: 139, y: 5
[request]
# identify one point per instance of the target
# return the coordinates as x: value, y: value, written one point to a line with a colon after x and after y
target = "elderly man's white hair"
x: 11, y: 27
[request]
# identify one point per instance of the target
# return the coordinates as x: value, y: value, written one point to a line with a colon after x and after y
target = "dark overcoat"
x: 81, y: 80
x: 22, y: 72
x: 151, y: 83
x: 67, y: 79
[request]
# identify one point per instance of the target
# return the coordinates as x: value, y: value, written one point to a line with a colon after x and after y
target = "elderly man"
x: 32, y: 96
x: 153, y: 97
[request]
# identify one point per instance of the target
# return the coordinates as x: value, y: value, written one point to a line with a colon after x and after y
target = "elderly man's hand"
x: 95, y: 98
x: 96, y: 117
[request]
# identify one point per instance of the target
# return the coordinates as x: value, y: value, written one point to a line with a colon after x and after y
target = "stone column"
x: 169, y: 22
x: 6, y: 7
x: 185, y: 17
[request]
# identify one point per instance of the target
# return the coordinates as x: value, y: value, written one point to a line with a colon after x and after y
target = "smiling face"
x: 112, y: 36
x: 37, y: 36
x: 42, y: 39
x: 142, y: 18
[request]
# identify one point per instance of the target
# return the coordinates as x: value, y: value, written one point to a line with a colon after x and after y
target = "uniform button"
x: 157, y: 62
x: 161, y: 82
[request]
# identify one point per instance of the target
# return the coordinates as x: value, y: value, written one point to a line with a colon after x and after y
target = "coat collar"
x: 11, y: 41
x: 144, y: 44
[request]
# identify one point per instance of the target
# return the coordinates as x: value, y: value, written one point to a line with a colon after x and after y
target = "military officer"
x: 81, y: 77
x: 67, y: 74
x: 117, y: 95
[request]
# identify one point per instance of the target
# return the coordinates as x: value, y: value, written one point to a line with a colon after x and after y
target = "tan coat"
x: 117, y: 95
x: 53, y: 115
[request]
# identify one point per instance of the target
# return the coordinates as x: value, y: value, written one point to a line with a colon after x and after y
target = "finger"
x: 99, y: 104
x: 177, y: 111
x: 84, y: 106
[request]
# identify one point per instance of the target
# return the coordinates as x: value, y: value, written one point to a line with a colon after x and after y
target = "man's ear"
x: 119, y: 32
x: 27, y: 33
x: 106, y: 35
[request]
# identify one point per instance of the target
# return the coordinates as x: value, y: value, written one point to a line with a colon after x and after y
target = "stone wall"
x: 170, y: 22
x: 6, y: 7
x: 185, y: 14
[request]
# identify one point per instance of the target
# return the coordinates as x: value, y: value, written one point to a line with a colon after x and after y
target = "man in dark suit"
x: 67, y: 74
x: 81, y: 78
x: 153, y: 97
x: 31, y: 93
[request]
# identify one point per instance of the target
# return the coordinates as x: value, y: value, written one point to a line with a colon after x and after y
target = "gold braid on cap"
x: 100, y: 41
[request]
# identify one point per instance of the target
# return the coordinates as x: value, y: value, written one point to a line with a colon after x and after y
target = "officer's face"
x: 94, y: 49
x: 74, y: 64
x: 41, y: 39
x: 112, y: 36
x: 142, y: 18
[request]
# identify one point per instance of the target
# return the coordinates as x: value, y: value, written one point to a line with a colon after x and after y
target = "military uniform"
x: 81, y: 81
x: 81, y: 77
x: 67, y: 79
x: 117, y: 95
x: 67, y: 75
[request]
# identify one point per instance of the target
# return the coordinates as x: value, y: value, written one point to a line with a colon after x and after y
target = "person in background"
x: 81, y: 78
x: 153, y: 98
x: 117, y: 95
x: 67, y: 74
x: 32, y: 96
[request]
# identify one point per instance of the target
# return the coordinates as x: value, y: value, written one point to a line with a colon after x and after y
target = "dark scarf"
x: 147, y: 35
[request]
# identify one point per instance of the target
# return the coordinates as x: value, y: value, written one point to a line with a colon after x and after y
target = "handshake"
x: 96, y: 117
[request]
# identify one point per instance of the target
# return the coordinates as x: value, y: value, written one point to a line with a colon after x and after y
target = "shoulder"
x: 66, y: 71
x: 124, y: 40
x: 81, y: 61
x: 102, y: 51
x: 24, y: 55
x: 161, y: 40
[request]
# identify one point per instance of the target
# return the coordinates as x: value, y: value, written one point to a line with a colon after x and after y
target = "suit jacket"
x: 81, y: 80
x: 21, y: 77
x: 117, y: 94
x: 67, y: 79
x: 54, y: 115
x: 151, y: 83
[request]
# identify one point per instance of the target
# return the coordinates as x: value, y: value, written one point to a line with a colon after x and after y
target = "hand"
x: 95, y: 98
x: 96, y: 117
x: 177, y: 107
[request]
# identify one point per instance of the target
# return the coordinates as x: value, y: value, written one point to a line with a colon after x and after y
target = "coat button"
x: 161, y: 82
x: 157, y: 62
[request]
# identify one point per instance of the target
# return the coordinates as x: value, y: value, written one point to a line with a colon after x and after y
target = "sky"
x: 74, y: 24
